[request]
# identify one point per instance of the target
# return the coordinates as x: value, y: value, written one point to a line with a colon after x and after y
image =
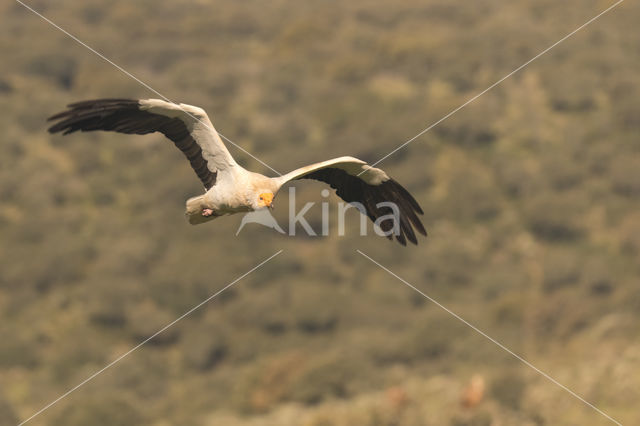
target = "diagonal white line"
x: 145, y: 85
x: 115, y: 361
x: 524, y: 361
x: 422, y: 132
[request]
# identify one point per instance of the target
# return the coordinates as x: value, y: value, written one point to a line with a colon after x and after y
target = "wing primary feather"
x: 126, y: 116
x: 353, y: 189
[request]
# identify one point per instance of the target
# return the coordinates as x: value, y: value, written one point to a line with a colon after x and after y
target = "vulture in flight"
x: 229, y: 188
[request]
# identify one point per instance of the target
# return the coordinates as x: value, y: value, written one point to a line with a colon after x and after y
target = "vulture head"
x: 265, y: 199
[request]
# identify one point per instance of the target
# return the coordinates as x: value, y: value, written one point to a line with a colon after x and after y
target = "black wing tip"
x: 354, y: 189
x: 421, y: 229
x: 403, y: 241
x: 409, y: 211
x: 406, y: 195
x: 58, y: 127
x: 102, y: 102
x: 76, y: 109
x: 94, y: 103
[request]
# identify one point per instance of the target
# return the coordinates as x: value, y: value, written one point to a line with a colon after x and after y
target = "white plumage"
x: 229, y: 187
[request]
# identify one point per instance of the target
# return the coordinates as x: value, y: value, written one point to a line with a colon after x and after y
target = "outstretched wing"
x: 357, y: 182
x: 187, y: 126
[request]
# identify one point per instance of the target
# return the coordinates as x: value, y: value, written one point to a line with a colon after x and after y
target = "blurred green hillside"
x: 531, y: 199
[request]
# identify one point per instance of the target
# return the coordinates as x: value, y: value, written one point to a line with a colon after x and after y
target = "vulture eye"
x: 261, y: 197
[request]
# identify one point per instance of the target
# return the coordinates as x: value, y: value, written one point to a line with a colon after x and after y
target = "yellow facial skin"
x: 266, y: 199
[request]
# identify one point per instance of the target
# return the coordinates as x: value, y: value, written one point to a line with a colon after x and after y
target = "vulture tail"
x: 195, y: 205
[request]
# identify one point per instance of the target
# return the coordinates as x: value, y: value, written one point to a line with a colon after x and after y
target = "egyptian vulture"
x: 229, y: 188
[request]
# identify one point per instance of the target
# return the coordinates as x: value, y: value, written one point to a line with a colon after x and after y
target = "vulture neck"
x: 261, y: 182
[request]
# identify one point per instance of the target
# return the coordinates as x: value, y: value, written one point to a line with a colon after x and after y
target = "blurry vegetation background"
x: 530, y: 197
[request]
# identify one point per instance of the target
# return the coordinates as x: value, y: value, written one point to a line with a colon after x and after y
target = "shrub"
x: 561, y: 268
x: 324, y: 377
x: 509, y: 388
x: 146, y: 319
x: 555, y: 217
x: 204, y: 348
x: 100, y: 411
x: 625, y: 176
x: 60, y: 68
x: 7, y: 414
